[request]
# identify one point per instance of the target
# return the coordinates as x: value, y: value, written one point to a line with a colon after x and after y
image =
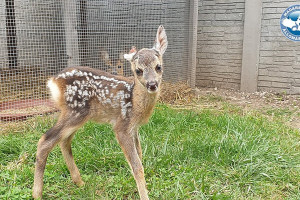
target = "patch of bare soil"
x: 271, y: 105
x: 254, y: 100
x: 267, y: 103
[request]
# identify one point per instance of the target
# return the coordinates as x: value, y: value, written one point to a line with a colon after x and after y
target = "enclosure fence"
x: 40, y: 38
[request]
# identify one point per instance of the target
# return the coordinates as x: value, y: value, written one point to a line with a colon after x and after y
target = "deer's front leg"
x: 138, y: 143
x: 127, y: 143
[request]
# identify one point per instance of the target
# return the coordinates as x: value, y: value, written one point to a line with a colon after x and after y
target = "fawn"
x: 114, y: 65
x: 84, y: 94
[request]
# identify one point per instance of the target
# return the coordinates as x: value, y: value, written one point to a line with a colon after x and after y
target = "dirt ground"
x: 176, y: 93
x: 272, y: 105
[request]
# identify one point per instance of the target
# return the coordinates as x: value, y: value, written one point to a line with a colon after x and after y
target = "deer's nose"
x: 152, y: 85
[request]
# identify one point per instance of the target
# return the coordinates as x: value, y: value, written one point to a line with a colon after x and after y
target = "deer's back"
x: 86, y: 90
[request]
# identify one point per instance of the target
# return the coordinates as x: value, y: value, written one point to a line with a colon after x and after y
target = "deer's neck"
x: 143, y: 102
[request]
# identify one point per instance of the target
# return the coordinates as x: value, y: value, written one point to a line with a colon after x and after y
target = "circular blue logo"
x: 290, y: 23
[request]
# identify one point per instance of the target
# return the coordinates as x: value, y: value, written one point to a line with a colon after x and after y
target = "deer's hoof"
x: 80, y: 183
x: 36, y: 195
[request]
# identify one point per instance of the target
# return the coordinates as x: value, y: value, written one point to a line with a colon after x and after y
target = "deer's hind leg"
x: 61, y: 131
x: 65, y: 146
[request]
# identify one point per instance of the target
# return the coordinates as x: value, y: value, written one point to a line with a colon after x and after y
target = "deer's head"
x: 114, y: 65
x: 147, y: 64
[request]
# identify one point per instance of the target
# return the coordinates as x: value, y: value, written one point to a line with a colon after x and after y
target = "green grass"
x: 187, y: 155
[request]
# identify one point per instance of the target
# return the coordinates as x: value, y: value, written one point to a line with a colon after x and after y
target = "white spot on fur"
x: 117, y: 82
x: 76, y: 82
x: 79, y: 73
x: 120, y: 94
x: 127, y: 96
x: 75, y: 103
x: 107, y: 101
x: 74, y: 88
x: 68, y: 73
x: 73, y: 71
x: 85, y: 93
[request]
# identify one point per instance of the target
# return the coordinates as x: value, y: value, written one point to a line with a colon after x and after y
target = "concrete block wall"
x: 279, y: 64
x: 220, y: 47
x: 220, y: 43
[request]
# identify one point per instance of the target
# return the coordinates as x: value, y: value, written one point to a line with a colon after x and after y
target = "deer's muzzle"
x: 152, y: 86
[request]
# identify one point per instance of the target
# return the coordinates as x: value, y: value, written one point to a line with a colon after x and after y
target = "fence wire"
x: 40, y: 38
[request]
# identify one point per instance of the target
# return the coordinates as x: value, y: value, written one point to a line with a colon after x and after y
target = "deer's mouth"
x: 152, y: 87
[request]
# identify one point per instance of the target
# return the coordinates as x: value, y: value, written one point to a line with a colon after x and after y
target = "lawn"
x: 188, y: 154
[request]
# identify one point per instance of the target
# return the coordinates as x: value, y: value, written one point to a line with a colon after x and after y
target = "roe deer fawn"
x: 114, y: 65
x: 84, y: 94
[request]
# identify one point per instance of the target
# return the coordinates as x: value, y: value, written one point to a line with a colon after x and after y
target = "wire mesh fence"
x: 40, y: 38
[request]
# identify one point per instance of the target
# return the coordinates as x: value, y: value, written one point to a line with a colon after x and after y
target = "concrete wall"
x: 220, y: 47
x: 279, y: 65
x: 220, y: 43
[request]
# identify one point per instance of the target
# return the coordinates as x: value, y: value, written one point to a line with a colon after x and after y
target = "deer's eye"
x: 158, y: 68
x: 139, y: 72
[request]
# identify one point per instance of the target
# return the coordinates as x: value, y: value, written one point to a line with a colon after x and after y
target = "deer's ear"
x: 161, y: 41
x: 121, y: 56
x: 129, y: 56
x: 131, y: 53
x: 105, y: 57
